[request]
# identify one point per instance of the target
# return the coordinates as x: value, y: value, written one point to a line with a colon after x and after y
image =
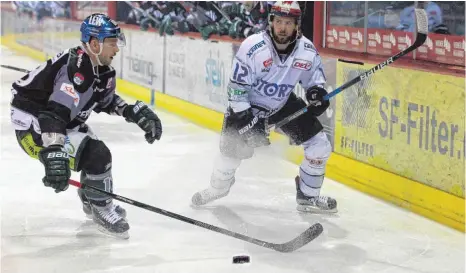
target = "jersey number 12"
x: 239, y: 77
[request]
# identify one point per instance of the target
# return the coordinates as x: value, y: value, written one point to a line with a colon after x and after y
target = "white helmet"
x: 286, y: 9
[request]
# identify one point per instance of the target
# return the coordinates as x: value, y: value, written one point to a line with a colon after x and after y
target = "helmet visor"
x: 121, y: 42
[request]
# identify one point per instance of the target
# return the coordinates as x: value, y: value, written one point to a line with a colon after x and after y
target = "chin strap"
x: 95, y: 68
x: 96, y: 54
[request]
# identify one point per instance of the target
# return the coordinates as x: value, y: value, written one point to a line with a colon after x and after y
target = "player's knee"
x: 96, y: 158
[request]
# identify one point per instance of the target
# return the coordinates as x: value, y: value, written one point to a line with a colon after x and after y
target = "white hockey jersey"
x: 260, y: 78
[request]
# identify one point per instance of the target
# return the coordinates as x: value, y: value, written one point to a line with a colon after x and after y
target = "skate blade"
x: 309, y: 209
x: 122, y: 235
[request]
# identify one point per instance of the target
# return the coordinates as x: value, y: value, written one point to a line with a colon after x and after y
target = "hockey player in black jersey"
x: 51, y: 104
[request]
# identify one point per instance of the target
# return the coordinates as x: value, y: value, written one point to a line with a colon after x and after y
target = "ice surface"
x: 42, y: 231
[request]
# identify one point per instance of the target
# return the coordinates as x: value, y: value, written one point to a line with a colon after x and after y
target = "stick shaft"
x: 419, y: 41
x: 182, y: 218
x: 14, y: 68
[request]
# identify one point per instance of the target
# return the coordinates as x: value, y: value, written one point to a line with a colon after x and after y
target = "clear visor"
x: 121, y: 42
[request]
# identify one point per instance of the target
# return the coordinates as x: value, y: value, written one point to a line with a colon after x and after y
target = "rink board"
x: 406, y: 122
x: 143, y: 78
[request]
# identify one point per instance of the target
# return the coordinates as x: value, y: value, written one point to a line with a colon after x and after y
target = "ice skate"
x: 314, y: 204
x: 87, y: 206
x: 212, y: 193
x: 109, y: 221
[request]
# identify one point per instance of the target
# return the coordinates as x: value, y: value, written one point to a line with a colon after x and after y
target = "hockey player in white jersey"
x: 266, y: 69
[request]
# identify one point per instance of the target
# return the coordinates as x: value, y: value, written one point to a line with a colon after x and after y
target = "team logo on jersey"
x: 78, y: 78
x: 80, y: 58
x: 255, y: 47
x: 302, y: 64
x: 272, y: 89
x: 109, y: 83
x: 308, y: 46
x: 268, y: 62
x: 69, y: 90
x: 267, y: 65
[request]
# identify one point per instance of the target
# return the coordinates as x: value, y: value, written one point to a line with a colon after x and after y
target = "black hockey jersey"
x: 67, y: 88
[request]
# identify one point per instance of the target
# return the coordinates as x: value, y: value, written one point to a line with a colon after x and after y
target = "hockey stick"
x: 14, y: 68
x: 304, y: 238
x: 422, y: 30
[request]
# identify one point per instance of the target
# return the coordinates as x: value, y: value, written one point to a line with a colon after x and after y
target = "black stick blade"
x: 303, y: 239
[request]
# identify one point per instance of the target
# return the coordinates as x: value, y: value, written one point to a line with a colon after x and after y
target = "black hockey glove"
x: 251, y: 128
x: 315, y: 96
x: 57, y: 167
x: 146, y: 119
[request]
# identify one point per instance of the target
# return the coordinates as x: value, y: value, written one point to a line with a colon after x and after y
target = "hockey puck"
x: 241, y: 259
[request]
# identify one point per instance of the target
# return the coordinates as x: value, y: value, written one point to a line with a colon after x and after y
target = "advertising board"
x: 142, y: 59
x: 198, y: 71
x: 448, y: 49
x: 345, y: 38
x: 388, y: 42
x: 408, y: 122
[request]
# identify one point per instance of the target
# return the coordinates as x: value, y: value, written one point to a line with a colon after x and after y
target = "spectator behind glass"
x: 444, y: 17
x: 434, y: 14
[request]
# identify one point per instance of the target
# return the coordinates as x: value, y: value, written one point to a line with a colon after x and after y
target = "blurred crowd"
x: 240, y: 19
x: 41, y: 9
x: 237, y: 19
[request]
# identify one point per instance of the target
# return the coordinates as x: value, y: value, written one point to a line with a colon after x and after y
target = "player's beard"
x: 282, y: 40
x: 104, y: 60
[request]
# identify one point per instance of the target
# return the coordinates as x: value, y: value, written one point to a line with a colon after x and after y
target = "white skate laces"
x: 317, y: 204
x: 322, y: 201
x: 109, y: 214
